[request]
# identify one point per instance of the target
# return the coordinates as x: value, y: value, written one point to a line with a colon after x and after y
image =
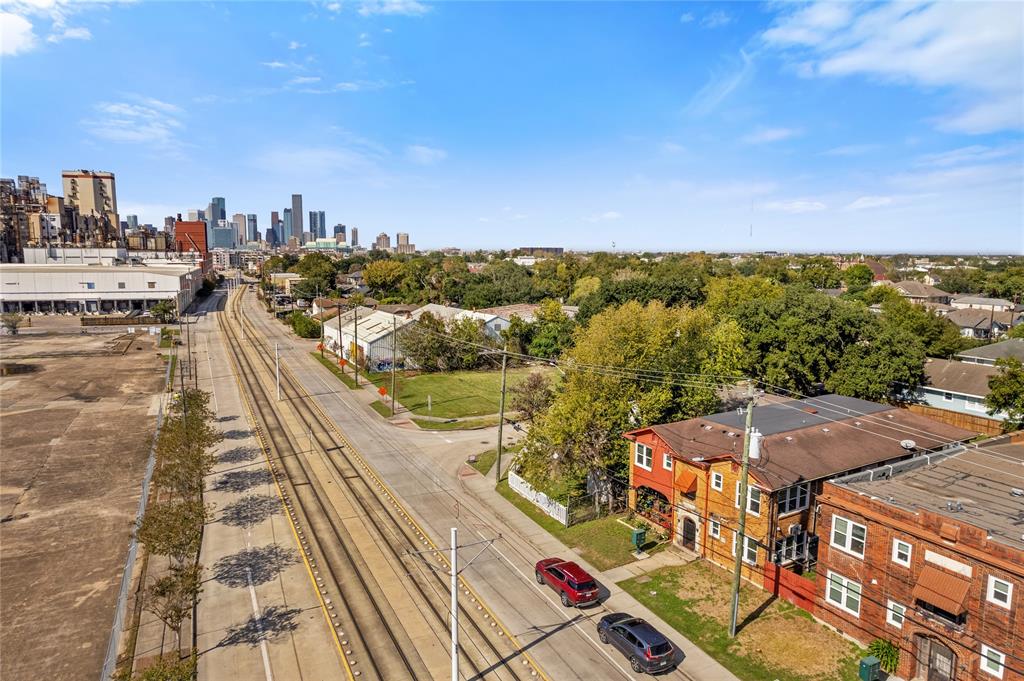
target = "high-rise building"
x: 318, y: 224
x: 252, y: 229
x: 238, y: 219
x: 296, y: 225
x: 195, y: 214
x: 133, y: 221
x: 169, y: 224
x: 355, y: 237
x: 339, y: 230
x: 273, y: 231
x: 402, y: 238
x: 92, y: 192
x: 383, y: 242
x: 289, y: 224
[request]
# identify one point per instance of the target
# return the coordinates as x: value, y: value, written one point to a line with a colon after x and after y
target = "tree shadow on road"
x: 274, y: 622
x: 238, y: 455
x: 237, y: 434
x: 259, y: 565
x: 250, y: 510
x: 240, y: 481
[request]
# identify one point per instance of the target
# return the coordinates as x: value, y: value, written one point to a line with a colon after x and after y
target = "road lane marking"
x: 259, y: 624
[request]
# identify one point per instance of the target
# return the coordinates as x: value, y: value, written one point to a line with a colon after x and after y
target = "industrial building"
x: 94, y: 289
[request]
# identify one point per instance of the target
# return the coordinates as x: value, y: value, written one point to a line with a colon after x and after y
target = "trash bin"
x: 639, y: 537
x: 870, y: 668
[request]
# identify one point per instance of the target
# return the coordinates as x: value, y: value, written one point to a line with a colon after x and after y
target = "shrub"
x: 888, y: 654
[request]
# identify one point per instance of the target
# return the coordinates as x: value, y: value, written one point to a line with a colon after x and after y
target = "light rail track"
x: 487, y: 650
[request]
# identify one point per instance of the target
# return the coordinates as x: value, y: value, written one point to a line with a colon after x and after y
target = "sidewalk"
x: 697, y: 663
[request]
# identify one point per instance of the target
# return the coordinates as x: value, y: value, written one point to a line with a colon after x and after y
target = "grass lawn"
x: 167, y: 337
x: 381, y: 408
x: 783, y: 642
x: 604, y: 543
x: 485, y: 461
x: 459, y: 424
x: 174, y: 364
x: 336, y: 370
x: 454, y: 394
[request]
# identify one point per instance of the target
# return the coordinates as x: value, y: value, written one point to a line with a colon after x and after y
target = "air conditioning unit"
x: 795, y: 529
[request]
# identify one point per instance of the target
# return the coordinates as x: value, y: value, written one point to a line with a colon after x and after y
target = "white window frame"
x: 834, y: 578
x: 847, y: 547
x: 947, y: 397
x: 973, y: 405
x: 895, y: 614
x: 750, y: 498
x: 803, y: 490
x: 715, y: 530
x: 717, y: 481
x: 991, y: 590
x: 643, y: 453
x: 992, y: 655
x: 666, y: 461
x: 896, y: 542
x: 748, y: 544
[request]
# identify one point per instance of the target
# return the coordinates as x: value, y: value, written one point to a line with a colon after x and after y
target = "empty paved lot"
x: 75, y: 433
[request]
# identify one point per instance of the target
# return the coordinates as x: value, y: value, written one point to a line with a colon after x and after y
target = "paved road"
x: 423, y: 468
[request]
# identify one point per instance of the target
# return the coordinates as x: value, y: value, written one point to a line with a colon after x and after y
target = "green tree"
x: 383, y: 275
x: 303, y: 326
x: 552, y: 330
x: 1006, y: 393
x: 10, y: 321
x: 163, y: 311
x: 585, y: 286
x: 172, y: 596
x: 518, y: 335
x: 163, y: 669
x: 941, y: 337
x: 885, y: 361
x: 1016, y: 331
x: 531, y: 397
x: 173, y: 529
x: 725, y: 294
x: 819, y: 272
x: 858, y: 277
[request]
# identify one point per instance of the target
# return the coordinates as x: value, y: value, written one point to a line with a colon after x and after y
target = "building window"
x: 974, y: 404
x: 795, y: 498
x: 90, y: 285
x: 644, y: 456
x: 1000, y: 592
x: 666, y: 461
x: 992, y: 661
x: 843, y: 593
x: 120, y: 284
x: 848, y: 536
x: 716, y: 529
x: 749, y: 549
x: 151, y: 284
x: 895, y: 614
x: 753, y: 499
x: 901, y: 551
x: 716, y: 481
x: 947, y: 397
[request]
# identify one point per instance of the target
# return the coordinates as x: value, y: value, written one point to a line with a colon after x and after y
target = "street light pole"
x: 455, y: 604
x: 355, y: 342
x: 277, y: 369
x: 394, y: 359
x: 501, y: 408
x: 739, y: 539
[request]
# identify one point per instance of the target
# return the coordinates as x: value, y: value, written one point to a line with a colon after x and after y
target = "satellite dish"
x: 908, y: 444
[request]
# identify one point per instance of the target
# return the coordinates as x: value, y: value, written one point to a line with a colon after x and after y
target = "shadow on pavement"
x: 240, y: 481
x: 250, y: 510
x: 258, y: 565
x: 238, y: 455
x: 272, y: 623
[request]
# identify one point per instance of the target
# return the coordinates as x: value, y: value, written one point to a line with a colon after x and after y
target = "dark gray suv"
x: 643, y: 645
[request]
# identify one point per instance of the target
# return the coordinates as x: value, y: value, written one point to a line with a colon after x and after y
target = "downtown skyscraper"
x: 318, y: 224
x: 296, y: 217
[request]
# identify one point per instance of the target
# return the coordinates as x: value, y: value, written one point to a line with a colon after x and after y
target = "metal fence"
x: 603, y: 497
x: 542, y: 501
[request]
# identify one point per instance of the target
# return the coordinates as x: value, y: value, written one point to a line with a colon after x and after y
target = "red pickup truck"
x: 575, y: 586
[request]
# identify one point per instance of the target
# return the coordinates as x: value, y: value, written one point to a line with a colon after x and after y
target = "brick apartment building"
x: 685, y: 477
x: 929, y: 554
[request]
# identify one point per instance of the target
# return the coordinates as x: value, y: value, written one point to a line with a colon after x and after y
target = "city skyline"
x: 699, y: 126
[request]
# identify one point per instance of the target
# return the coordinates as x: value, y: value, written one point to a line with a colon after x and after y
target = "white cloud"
x: 794, y: 206
x: 716, y: 19
x: 410, y: 8
x: 295, y: 45
x: 314, y: 161
x: 425, y: 156
x: 851, y: 150
x: 970, y: 49
x: 972, y: 154
x: 16, y: 34
x: 765, y: 135
x: 720, y: 86
x: 607, y: 216
x: 672, y: 148
x: 333, y: 6
x: 866, y: 202
x: 364, y: 40
x: 79, y: 33
x: 143, y: 121
x: 685, y: 18
x: 733, y: 191
x: 275, y: 64
x: 303, y: 80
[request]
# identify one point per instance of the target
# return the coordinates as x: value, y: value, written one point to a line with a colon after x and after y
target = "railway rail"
x: 371, y: 637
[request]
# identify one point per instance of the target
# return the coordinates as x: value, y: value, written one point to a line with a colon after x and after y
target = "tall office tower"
x: 287, y: 232
x: 252, y: 229
x: 92, y: 192
x: 355, y: 237
x: 339, y: 231
x: 169, y: 224
x: 274, y: 219
x: 403, y: 239
x: 239, y: 221
x: 215, y: 211
x: 133, y: 221
x: 296, y: 225
x: 383, y: 242
x: 318, y: 224
x: 271, y: 236
x: 196, y: 214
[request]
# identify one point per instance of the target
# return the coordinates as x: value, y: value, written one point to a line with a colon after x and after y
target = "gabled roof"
x: 981, y: 300
x: 447, y: 312
x: 808, y: 439
x: 976, y: 318
x: 966, y: 378
x: 916, y: 289
x: 1014, y: 347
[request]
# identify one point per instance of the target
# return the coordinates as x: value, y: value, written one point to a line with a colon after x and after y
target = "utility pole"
x: 454, y: 616
x: 355, y: 343
x: 321, y: 321
x: 394, y: 359
x: 501, y: 408
x: 277, y: 370
x: 740, y: 538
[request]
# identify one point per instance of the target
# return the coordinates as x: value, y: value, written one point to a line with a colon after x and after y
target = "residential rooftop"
x: 964, y: 378
x: 982, y: 486
x: 1013, y: 347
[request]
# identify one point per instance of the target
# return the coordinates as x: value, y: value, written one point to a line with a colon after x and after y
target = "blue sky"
x: 661, y: 126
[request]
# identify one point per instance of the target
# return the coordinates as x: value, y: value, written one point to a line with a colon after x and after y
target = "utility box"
x: 870, y: 668
x: 639, y: 537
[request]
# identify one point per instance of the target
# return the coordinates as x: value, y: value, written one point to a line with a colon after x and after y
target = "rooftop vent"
x: 888, y: 416
x: 824, y: 430
x: 810, y: 410
x: 731, y: 434
x: 789, y: 438
x: 1017, y: 492
x: 908, y: 444
x: 856, y: 423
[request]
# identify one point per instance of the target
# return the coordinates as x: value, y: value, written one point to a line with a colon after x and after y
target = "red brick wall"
x: 881, y: 579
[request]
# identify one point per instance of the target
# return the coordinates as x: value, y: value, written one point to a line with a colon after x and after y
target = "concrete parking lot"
x: 77, y: 415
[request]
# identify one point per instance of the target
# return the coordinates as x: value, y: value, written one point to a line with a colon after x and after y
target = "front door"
x: 941, y: 662
x: 689, y: 534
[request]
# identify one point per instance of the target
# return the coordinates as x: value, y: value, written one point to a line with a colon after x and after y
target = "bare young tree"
x: 532, y: 396
x: 172, y: 596
x: 10, y: 321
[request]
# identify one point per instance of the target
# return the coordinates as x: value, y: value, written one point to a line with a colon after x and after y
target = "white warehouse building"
x: 369, y: 339
x: 78, y: 289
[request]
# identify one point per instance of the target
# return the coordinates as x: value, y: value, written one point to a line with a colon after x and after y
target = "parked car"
x: 574, y: 584
x: 643, y: 645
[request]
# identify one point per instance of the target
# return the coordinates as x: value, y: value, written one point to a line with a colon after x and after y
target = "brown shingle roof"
x: 966, y: 378
x: 916, y: 289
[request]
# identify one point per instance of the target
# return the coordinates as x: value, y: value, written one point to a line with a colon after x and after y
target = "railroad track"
x: 371, y: 638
